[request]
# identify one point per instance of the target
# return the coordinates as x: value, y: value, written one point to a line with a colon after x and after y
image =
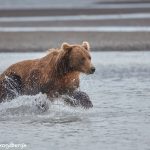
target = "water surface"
x: 119, y: 120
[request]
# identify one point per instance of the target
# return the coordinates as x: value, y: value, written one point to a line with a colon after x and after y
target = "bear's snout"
x: 92, y: 70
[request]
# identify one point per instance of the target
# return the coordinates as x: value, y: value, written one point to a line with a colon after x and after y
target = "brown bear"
x: 55, y: 74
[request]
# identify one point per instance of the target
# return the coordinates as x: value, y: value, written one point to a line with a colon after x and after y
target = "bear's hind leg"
x: 2, y: 92
x: 13, y: 86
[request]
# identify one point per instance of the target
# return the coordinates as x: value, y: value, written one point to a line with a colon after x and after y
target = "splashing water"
x: 35, y: 105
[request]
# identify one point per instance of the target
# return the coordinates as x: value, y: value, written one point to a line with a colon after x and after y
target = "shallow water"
x: 119, y: 120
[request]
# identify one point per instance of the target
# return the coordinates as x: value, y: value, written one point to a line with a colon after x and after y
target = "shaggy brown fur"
x: 56, y: 73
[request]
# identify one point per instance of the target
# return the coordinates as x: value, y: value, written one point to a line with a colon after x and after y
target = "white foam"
x: 75, y: 18
x: 77, y: 29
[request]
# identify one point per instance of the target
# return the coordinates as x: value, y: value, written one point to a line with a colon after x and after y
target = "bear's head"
x: 75, y: 58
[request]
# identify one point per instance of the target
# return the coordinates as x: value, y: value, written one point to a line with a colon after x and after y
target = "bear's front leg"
x: 78, y: 98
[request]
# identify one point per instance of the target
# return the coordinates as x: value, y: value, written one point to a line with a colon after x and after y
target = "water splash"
x: 39, y: 109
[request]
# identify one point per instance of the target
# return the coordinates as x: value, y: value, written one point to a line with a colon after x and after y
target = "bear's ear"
x: 66, y: 46
x: 86, y: 45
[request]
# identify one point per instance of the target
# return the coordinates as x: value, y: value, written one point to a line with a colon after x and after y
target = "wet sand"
x: 68, y: 11
x: 104, y: 41
x: 26, y: 40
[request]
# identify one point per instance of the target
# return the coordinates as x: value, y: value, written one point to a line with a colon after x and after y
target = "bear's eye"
x: 82, y: 60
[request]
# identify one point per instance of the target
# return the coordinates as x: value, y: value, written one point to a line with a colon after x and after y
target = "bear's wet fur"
x: 55, y: 74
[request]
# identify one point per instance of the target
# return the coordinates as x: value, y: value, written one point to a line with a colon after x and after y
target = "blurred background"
x: 37, y: 25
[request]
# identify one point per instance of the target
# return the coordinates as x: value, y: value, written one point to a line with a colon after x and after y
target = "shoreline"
x: 97, y: 50
x: 101, y: 41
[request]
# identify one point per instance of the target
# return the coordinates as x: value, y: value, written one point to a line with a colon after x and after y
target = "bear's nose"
x: 93, y: 69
